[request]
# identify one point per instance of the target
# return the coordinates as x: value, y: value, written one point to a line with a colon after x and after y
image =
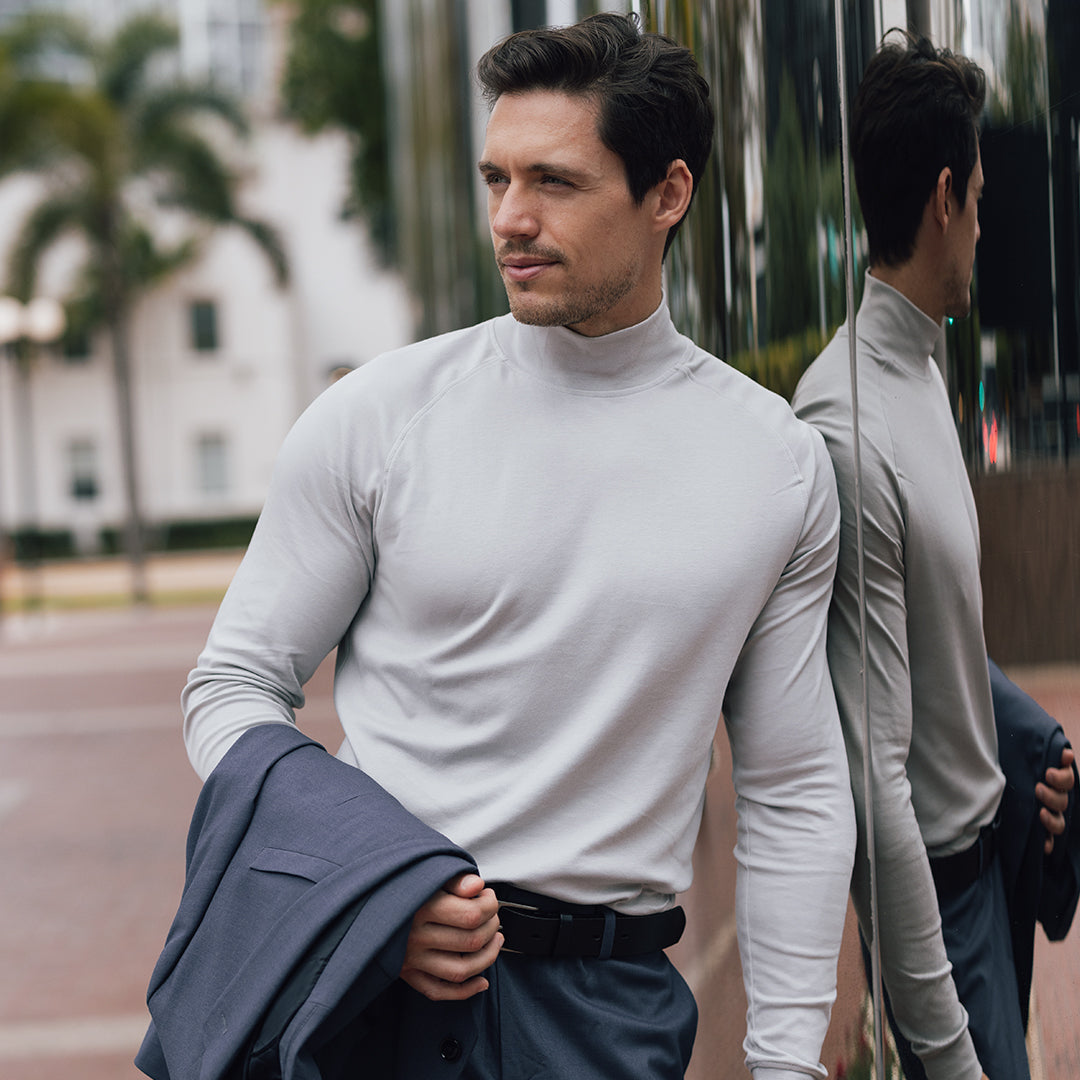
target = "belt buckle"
x: 531, y: 909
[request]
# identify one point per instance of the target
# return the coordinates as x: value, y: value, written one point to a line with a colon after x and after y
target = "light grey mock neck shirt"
x: 934, y: 745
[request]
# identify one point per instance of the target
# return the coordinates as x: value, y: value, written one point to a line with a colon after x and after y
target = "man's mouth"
x: 524, y: 267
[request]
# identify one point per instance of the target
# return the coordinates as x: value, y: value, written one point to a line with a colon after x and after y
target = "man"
x: 551, y: 550
x: 937, y: 784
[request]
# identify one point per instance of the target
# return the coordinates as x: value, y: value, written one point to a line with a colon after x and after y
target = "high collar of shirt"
x: 899, y: 332
x: 623, y: 360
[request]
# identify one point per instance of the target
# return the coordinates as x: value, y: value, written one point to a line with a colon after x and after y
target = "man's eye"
x: 492, y: 179
x: 558, y: 180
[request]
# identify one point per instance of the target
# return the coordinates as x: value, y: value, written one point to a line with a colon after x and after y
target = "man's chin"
x: 960, y: 312
x: 533, y: 312
x: 960, y: 308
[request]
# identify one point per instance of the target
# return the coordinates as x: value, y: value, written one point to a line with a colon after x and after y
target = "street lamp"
x: 23, y: 328
x: 44, y: 320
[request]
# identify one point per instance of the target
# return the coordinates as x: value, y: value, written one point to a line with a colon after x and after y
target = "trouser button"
x: 450, y: 1049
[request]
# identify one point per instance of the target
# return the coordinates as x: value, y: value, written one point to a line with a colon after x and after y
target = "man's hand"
x: 454, y: 937
x: 1054, y: 795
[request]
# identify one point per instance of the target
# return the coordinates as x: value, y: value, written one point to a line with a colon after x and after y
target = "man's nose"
x: 515, y: 214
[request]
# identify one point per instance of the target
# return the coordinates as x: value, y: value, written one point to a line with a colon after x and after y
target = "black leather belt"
x: 953, y: 873
x: 536, y: 925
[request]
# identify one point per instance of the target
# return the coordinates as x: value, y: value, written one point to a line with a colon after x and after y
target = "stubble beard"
x: 959, y: 298
x: 529, y: 306
x: 958, y: 289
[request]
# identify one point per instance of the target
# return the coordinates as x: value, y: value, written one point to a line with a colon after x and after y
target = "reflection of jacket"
x: 264, y: 963
x: 1038, y: 888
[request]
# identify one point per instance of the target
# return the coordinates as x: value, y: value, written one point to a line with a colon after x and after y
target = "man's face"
x: 572, y: 246
x: 964, y: 237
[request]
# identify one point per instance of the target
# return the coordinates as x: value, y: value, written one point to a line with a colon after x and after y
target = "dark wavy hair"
x: 653, y: 100
x: 916, y: 111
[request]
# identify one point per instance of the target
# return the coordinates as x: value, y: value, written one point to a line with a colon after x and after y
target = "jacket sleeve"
x: 1038, y: 887
x: 302, y: 878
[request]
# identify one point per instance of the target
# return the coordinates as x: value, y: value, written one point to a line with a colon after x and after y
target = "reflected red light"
x: 990, y: 439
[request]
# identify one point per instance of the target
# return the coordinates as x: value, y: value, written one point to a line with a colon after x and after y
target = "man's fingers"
x: 465, y: 912
x: 437, y: 990
x: 438, y: 937
x: 1057, y: 802
x: 449, y: 976
x: 465, y: 885
x: 454, y: 938
x: 456, y: 967
x: 1061, y: 780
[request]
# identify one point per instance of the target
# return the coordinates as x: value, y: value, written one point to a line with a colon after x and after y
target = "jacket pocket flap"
x: 279, y: 861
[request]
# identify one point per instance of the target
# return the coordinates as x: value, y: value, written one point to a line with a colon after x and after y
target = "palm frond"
x: 83, y: 314
x: 38, y: 37
x: 192, y: 175
x: 52, y: 218
x: 84, y: 125
x: 124, y: 60
x: 269, y: 241
x: 29, y: 112
x: 145, y: 261
x: 172, y: 105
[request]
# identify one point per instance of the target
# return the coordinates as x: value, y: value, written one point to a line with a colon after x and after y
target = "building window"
x: 83, y: 483
x: 211, y: 452
x: 204, y: 326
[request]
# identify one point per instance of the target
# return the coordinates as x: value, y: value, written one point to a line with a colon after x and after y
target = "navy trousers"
x: 975, y: 926
x: 552, y: 1019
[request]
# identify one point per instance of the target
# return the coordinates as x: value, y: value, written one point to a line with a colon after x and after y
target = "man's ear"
x: 942, y: 198
x: 673, y: 195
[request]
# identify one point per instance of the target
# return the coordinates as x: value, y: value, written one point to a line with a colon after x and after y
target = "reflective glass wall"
x: 758, y: 275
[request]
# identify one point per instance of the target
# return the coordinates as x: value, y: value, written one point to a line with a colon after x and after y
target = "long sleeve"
x: 796, y: 828
x: 916, y: 969
x: 299, y: 586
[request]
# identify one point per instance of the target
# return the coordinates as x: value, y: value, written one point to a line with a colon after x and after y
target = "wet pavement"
x: 96, y: 793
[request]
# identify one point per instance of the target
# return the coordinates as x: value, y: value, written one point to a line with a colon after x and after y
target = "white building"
x: 223, y: 359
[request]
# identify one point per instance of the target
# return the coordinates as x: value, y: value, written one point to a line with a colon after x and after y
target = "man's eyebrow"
x: 539, y: 168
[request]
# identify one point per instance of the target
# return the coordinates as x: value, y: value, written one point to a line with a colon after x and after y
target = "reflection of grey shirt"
x: 549, y: 563
x: 936, y: 778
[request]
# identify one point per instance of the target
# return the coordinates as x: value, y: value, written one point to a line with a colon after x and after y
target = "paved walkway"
x: 81, y: 583
x: 105, y: 584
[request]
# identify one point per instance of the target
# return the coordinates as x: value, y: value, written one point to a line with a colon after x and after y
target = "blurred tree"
x: 334, y: 77
x: 1021, y: 96
x: 112, y: 144
x: 1013, y: 258
x: 790, y: 271
x: 711, y: 281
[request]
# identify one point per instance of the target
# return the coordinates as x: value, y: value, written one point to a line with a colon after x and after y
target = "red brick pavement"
x: 95, y: 793
x: 95, y: 797
x: 1056, y: 996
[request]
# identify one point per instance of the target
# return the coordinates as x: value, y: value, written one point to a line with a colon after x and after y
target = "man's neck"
x: 914, y: 282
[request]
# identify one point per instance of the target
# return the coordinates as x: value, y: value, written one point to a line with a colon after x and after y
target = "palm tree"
x: 110, y: 142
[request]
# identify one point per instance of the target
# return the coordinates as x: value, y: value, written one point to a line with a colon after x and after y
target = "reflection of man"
x: 550, y: 550
x: 937, y: 782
